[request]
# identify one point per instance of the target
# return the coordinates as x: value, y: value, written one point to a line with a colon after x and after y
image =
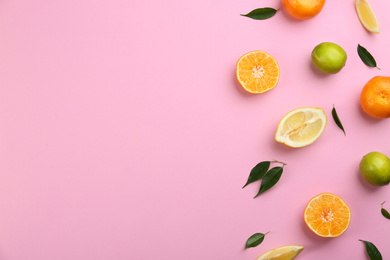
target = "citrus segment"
x: 257, y: 72
x: 327, y: 215
x: 366, y: 16
x: 281, y: 253
x: 301, y: 126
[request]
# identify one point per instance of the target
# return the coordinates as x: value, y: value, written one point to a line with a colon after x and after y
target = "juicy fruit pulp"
x: 301, y: 126
x: 282, y: 253
x: 257, y: 72
x: 328, y: 57
x: 375, y: 168
x: 366, y: 16
x: 327, y: 215
x: 375, y: 97
x: 303, y: 9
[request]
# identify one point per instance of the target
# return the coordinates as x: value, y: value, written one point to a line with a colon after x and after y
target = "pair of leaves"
x: 372, y: 251
x: 270, y: 177
x: 384, y: 212
x: 261, y: 13
x: 337, y: 119
x: 366, y: 57
x: 255, y: 240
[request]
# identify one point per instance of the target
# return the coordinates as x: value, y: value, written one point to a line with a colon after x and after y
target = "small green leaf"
x: 372, y: 251
x: 258, y: 172
x: 270, y: 179
x: 255, y: 240
x: 337, y: 119
x: 366, y: 57
x: 261, y: 13
x: 384, y: 212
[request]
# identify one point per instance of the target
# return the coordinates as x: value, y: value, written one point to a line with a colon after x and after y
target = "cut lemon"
x: 327, y: 215
x: 257, y: 72
x: 301, y: 126
x: 282, y: 253
x: 366, y: 16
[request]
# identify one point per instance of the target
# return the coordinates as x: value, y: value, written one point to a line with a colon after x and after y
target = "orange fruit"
x: 257, y: 72
x: 375, y: 97
x: 327, y: 215
x: 303, y: 9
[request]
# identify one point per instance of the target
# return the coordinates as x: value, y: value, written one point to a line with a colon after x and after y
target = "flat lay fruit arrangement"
x: 327, y: 214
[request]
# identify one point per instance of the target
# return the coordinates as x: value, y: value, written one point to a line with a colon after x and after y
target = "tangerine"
x: 303, y: 9
x: 257, y: 72
x: 327, y: 215
x: 375, y: 97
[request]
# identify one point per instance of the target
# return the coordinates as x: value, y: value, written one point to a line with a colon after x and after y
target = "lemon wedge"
x: 282, y: 253
x: 301, y: 127
x: 366, y: 16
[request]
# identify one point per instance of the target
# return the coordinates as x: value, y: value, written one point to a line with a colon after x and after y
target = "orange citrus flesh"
x: 257, y: 72
x: 303, y: 9
x: 327, y: 215
x: 366, y: 16
x: 375, y: 97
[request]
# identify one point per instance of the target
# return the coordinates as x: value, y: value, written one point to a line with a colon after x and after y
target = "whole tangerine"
x: 303, y: 9
x: 375, y: 97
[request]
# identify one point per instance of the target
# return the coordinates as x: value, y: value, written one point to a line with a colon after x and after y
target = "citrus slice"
x: 366, y: 16
x: 281, y: 253
x: 257, y: 72
x: 327, y: 215
x: 301, y: 126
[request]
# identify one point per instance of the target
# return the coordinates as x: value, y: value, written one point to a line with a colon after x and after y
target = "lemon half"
x: 282, y: 253
x: 301, y: 127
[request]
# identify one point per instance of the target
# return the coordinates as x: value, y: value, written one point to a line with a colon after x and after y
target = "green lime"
x: 375, y: 168
x: 329, y: 57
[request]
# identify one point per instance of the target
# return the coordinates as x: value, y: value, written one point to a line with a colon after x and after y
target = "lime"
x: 375, y: 168
x: 328, y: 57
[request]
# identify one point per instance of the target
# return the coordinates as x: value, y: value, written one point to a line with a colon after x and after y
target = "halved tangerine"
x: 327, y: 215
x: 257, y: 72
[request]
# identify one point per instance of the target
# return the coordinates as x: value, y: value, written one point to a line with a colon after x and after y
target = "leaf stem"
x: 276, y: 161
x: 382, y: 204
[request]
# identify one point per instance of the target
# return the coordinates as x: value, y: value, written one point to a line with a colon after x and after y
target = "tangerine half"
x: 327, y: 215
x: 257, y: 72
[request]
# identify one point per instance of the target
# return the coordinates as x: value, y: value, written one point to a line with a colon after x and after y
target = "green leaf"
x: 258, y: 172
x: 366, y: 57
x: 337, y: 119
x: 372, y: 251
x: 270, y: 179
x: 261, y: 13
x: 384, y: 212
x: 255, y: 240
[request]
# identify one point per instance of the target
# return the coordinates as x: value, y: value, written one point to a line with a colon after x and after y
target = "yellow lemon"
x: 301, y: 126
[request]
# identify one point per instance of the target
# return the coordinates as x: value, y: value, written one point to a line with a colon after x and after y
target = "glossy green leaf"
x: 366, y: 57
x: 270, y: 179
x: 384, y: 212
x: 337, y: 119
x: 372, y: 251
x: 255, y: 240
x: 261, y: 13
x: 258, y: 172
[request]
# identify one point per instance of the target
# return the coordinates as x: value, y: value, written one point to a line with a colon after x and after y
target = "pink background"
x: 125, y: 135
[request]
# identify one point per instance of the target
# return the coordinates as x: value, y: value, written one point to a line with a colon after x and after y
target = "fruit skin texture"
x: 303, y: 9
x: 329, y: 57
x: 375, y: 97
x: 375, y: 168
